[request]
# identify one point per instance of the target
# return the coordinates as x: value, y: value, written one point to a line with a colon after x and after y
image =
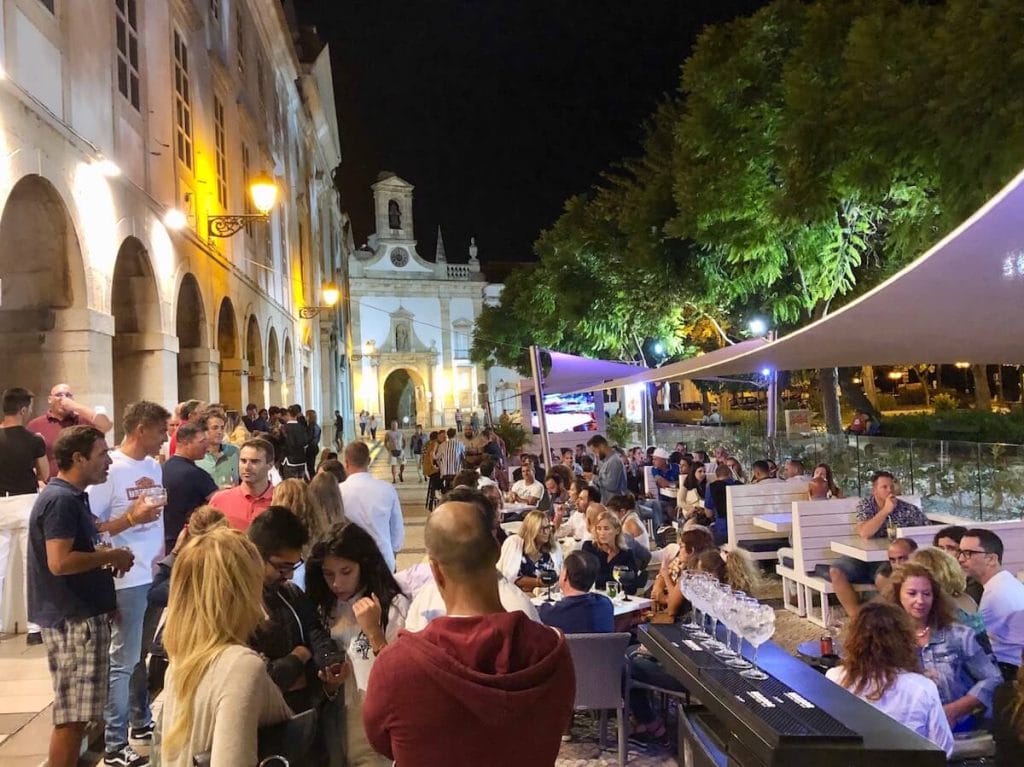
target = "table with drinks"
x: 758, y: 704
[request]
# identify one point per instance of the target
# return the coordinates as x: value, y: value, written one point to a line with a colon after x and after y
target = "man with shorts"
x: 71, y: 589
x: 394, y: 441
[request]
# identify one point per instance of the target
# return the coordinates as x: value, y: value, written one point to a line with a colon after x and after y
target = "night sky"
x: 498, y: 110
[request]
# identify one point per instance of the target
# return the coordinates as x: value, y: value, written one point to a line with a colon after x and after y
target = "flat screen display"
x: 567, y: 412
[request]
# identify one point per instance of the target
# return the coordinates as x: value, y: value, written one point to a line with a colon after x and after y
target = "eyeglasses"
x: 968, y: 553
x: 286, y: 568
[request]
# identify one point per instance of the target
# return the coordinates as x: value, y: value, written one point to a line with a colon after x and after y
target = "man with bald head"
x: 479, y: 672
x: 63, y: 411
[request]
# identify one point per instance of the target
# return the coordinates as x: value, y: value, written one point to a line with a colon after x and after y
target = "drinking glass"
x: 730, y: 603
x: 685, y: 584
x: 760, y: 625
x: 612, y: 589
x: 699, y: 589
x: 716, y: 599
x: 154, y: 496
x: 741, y: 603
x: 617, y: 572
x: 548, y: 578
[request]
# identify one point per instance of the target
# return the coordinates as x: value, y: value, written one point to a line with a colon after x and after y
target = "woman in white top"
x: 357, y: 596
x: 218, y: 691
x: 532, y: 549
x: 882, y: 666
x: 690, y: 498
x: 624, y: 507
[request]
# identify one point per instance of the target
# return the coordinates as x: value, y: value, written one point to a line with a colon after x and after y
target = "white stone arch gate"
x: 418, y: 367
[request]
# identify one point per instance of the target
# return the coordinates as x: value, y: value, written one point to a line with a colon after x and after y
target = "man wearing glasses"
x: 292, y: 639
x: 1002, y: 603
x: 63, y: 411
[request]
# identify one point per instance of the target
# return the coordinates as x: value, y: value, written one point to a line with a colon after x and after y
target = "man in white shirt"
x: 1002, y: 603
x: 527, y: 490
x: 124, y: 512
x: 371, y: 503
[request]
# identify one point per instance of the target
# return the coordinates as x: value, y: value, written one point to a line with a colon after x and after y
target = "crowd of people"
x: 206, y: 559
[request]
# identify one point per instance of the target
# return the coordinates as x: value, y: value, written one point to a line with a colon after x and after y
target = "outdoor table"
x: 872, y: 550
x: 777, y: 523
x: 510, y: 509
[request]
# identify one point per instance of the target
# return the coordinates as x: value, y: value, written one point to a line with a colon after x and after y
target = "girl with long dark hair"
x: 359, y: 599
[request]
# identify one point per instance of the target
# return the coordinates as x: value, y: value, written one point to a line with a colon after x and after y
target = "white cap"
x: 660, y: 452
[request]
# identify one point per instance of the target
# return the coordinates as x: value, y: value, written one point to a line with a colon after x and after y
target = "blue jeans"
x: 125, y: 654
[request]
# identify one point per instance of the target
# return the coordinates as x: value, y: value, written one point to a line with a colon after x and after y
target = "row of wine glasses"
x: 742, y: 616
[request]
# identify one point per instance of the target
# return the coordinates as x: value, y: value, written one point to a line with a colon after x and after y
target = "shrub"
x: 944, y: 403
x: 959, y: 425
x: 618, y: 429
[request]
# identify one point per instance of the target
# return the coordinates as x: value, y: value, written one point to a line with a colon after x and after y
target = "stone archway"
x: 231, y: 367
x: 138, y: 341
x: 193, y: 348
x: 254, y: 356
x: 274, y: 367
x: 45, y: 333
x: 401, y: 398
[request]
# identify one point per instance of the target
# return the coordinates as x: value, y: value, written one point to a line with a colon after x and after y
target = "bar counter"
x: 795, y: 717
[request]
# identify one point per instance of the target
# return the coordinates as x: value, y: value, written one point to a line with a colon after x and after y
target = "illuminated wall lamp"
x: 329, y: 295
x: 263, y: 191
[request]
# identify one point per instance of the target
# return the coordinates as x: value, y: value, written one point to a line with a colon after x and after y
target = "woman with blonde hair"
x: 325, y: 498
x: 533, y: 549
x: 950, y: 575
x: 609, y: 546
x: 218, y: 692
x: 882, y: 666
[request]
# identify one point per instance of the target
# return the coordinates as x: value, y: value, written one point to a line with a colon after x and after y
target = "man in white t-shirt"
x: 527, y: 490
x: 1002, y: 603
x: 120, y: 505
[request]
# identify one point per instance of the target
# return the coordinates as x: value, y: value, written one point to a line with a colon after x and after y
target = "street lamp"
x: 263, y: 191
x: 329, y: 294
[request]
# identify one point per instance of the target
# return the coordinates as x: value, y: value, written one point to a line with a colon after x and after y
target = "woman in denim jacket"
x: 950, y: 654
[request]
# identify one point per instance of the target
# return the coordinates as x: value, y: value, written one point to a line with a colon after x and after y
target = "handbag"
x: 279, y: 745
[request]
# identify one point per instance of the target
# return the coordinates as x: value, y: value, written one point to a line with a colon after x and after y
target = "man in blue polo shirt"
x: 71, y: 588
x: 580, y: 611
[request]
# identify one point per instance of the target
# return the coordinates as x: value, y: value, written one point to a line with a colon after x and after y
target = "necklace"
x: 923, y: 632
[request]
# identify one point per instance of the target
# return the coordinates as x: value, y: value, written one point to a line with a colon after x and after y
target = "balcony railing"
x: 458, y: 271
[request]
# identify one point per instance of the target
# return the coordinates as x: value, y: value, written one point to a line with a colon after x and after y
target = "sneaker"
x: 141, y: 735
x: 126, y: 756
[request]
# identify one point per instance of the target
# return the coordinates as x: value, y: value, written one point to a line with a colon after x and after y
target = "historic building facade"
x: 412, y: 322
x: 115, y: 113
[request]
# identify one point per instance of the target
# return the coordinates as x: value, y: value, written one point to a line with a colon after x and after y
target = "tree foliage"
x: 813, y: 149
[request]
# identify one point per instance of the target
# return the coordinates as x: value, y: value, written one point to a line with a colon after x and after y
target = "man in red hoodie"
x: 479, y: 686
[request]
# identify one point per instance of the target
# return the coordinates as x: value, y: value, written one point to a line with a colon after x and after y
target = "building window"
x: 461, y: 346
x: 246, y: 175
x: 215, y: 10
x: 222, y: 167
x: 261, y: 91
x: 240, y: 40
x: 182, y: 103
x: 127, y: 33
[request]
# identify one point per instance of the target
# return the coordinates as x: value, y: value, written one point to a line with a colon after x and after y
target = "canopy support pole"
x: 542, y: 420
x: 773, y: 405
